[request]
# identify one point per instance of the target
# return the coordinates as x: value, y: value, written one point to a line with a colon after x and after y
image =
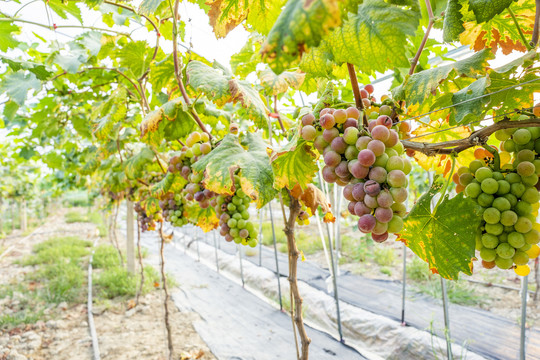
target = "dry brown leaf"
x: 313, y: 197
x: 131, y: 304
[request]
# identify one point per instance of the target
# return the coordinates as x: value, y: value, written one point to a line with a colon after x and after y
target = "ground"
x: 35, y: 324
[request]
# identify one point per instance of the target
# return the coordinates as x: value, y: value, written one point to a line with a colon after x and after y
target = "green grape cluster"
x: 509, y: 200
x: 173, y: 209
x: 233, y: 214
x: 367, y: 162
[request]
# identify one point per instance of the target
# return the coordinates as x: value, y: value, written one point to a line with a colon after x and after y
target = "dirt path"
x: 61, y: 332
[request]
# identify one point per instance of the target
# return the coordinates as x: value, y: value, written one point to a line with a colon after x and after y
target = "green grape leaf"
x: 375, y: 39
x: 423, y: 84
x: 63, y: 8
x: 40, y: 70
x: 159, y: 189
x: 301, y: 24
x: 7, y: 41
x: 469, y: 109
x: 245, y: 61
x: 16, y: 86
x: 485, y: 10
x: 222, y: 88
x: 172, y: 121
x: 252, y: 164
x: 54, y: 160
x: 135, y: 57
x: 444, y: 239
x: 206, y: 219
x: 151, y: 205
x: 89, y: 166
x: 210, y: 81
x: 10, y: 110
x: 135, y: 165
x: 148, y: 7
x: 92, y: 41
x: 278, y: 84
x: 453, y: 21
x: 294, y: 164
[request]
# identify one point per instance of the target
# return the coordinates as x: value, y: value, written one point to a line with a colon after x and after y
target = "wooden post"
x: 23, y: 218
x: 130, y: 251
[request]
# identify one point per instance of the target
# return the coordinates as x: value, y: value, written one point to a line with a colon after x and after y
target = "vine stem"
x: 178, y: 74
x: 424, y: 39
x: 534, y: 39
x: 356, y: 92
x: 52, y: 28
x: 166, y: 291
x: 446, y: 184
x: 294, y: 210
x: 523, y: 40
x: 477, y: 138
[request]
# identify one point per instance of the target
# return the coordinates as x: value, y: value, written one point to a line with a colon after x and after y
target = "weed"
x: 384, y: 256
x: 25, y: 316
x: 105, y: 257
x: 62, y: 281
x: 355, y: 249
x: 268, y: 238
x: 50, y: 251
x: 417, y: 270
x: 116, y: 281
x: 385, y: 270
x: 74, y: 216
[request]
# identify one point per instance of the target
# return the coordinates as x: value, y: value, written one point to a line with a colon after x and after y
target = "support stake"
x: 446, y: 320
x: 241, y: 265
x: 276, y: 256
x: 523, y: 337
x: 215, y: 249
x: 130, y: 244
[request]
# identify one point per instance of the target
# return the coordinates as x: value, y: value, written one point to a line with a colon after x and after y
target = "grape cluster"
x: 197, y: 145
x: 303, y: 216
x: 367, y: 162
x: 173, y: 208
x: 147, y: 222
x: 233, y: 215
x: 508, y: 234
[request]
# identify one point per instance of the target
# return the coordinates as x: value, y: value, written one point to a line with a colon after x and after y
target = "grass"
x: 76, y: 198
x: 63, y: 281
x: 417, y: 270
x: 117, y: 282
x: 307, y: 244
x: 51, y: 251
x: 26, y: 316
x: 356, y: 249
x: 74, y: 216
x: 105, y: 257
x: 268, y: 238
x: 384, y: 256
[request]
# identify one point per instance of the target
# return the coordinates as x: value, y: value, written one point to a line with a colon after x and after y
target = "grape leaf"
x: 135, y: 57
x: 17, y: 85
x: 444, y: 239
x: 423, y: 84
x: 294, y: 164
x: 278, y: 84
x: 245, y: 61
x: 151, y: 205
x: 301, y: 24
x: 159, y: 189
x: 7, y: 30
x: 500, y: 31
x: 313, y: 197
x: 40, y: 70
x: 485, y: 10
x: 63, y: 8
x: 253, y: 165
x: 222, y: 88
x: 453, y: 21
x: 463, y: 112
x: 206, y: 219
x: 172, y: 121
x: 375, y: 39
x: 134, y: 165
x: 148, y: 7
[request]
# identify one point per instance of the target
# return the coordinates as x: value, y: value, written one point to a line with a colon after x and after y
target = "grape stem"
x: 523, y: 40
x: 477, y: 138
x: 356, y: 92
x: 424, y: 40
x: 496, y: 157
x: 446, y: 184
x: 277, y: 113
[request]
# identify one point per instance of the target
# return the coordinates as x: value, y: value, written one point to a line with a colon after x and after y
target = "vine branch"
x: 356, y: 92
x: 54, y: 27
x: 424, y: 39
x: 277, y: 114
x: 166, y: 291
x: 477, y: 138
x: 178, y: 74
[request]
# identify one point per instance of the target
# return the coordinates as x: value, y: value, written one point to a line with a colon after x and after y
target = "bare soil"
x: 63, y: 333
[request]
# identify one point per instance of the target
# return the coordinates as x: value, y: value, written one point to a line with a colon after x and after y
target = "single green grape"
x: 505, y: 251
x: 494, y: 229
x: 492, y: 215
x: 490, y: 241
x: 501, y: 204
x: 488, y: 254
x: 503, y: 263
x: 520, y: 258
x: 516, y: 239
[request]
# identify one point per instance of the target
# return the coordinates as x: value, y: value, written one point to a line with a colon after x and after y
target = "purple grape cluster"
x: 147, y: 223
x: 173, y: 209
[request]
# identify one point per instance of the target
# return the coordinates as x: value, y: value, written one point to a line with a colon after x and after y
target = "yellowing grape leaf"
x: 375, y: 38
x: 206, y: 219
x: 445, y: 238
x: 301, y: 24
x: 159, y: 189
x: 252, y: 164
x: 278, y: 84
x: 436, y: 131
x: 136, y: 164
x: 221, y: 87
x: 417, y: 87
x: 151, y: 205
x: 170, y: 122
x: 500, y: 30
x: 294, y: 164
x: 313, y: 197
